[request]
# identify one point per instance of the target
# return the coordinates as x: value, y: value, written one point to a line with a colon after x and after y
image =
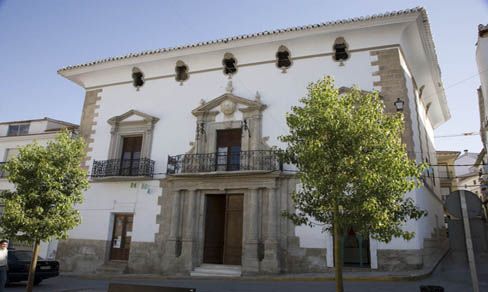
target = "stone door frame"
x: 184, y: 204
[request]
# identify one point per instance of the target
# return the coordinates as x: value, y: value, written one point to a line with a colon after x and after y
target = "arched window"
x: 230, y: 64
x: 137, y: 78
x: 283, y: 59
x: 340, y: 50
x: 181, y: 70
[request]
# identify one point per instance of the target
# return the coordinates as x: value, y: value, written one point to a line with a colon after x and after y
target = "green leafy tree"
x: 353, y: 166
x: 48, y: 183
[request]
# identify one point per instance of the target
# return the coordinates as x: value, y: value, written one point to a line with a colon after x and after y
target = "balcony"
x: 123, y: 168
x: 257, y: 160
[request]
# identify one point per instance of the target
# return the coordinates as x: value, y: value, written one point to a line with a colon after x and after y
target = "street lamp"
x: 399, y: 104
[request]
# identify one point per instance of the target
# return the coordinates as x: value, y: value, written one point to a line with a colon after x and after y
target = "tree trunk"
x: 32, y: 267
x: 338, y: 253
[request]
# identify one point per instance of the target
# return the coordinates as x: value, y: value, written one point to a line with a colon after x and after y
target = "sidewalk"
x: 356, y: 275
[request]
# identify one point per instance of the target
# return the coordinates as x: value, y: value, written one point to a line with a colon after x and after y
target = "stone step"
x: 214, y: 275
x: 217, y: 266
x: 431, y: 243
x: 115, y: 268
x: 211, y: 270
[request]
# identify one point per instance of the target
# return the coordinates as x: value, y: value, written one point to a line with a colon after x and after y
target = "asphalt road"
x: 452, y: 274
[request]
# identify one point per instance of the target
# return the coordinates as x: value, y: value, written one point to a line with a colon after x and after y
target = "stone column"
x: 189, y: 221
x: 174, y: 231
x: 170, y: 260
x: 250, y: 262
x: 270, y: 262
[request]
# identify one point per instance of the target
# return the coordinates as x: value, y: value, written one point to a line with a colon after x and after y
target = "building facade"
x: 468, y: 176
x: 482, y: 62
x: 180, y: 139
x: 446, y: 161
x: 16, y: 134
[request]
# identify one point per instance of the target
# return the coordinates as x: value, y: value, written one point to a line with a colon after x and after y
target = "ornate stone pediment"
x: 131, y: 123
x: 236, y: 113
x: 133, y: 116
x: 227, y: 104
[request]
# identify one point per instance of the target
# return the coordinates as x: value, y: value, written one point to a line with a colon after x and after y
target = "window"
x: 283, y: 60
x: 181, y: 72
x: 340, y: 50
x: 140, y: 127
x: 230, y: 64
x: 137, y: 78
x: 18, y: 130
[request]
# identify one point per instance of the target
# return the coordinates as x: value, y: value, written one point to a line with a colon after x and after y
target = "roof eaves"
x: 431, y: 50
x: 255, y: 35
x: 37, y: 120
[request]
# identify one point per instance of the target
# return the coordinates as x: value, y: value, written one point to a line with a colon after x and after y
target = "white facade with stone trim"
x: 258, y: 83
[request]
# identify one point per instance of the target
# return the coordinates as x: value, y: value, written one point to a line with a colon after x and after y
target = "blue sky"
x: 39, y: 37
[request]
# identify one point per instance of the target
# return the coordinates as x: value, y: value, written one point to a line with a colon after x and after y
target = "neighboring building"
x: 468, y: 173
x: 16, y: 134
x: 447, y: 172
x: 182, y: 172
x: 482, y: 62
x: 465, y: 162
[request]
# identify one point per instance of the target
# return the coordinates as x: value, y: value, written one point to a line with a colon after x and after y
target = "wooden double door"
x: 223, y: 229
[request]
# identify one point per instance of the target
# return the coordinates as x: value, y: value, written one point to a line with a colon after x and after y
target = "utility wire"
x: 458, y: 135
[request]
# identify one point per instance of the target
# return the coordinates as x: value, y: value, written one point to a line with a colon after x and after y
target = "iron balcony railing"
x: 123, y: 167
x: 257, y: 160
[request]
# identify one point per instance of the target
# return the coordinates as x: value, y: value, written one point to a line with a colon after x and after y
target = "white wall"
x: 104, y: 199
x: 37, y: 127
x: 482, y: 62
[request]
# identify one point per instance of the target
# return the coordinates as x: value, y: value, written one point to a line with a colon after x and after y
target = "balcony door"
x: 131, y: 155
x: 228, y: 150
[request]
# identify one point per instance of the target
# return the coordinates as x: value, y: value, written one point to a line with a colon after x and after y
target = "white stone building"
x: 16, y: 134
x: 179, y: 148
x: 482, y: 62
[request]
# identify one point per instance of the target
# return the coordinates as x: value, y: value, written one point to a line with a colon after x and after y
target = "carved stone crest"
x: 228, y: 107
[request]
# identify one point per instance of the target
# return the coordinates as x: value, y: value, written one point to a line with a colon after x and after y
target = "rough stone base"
x: 81, y: 255
x: 144, y: 258
x: 304, y: 260
x: 399, y: 260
